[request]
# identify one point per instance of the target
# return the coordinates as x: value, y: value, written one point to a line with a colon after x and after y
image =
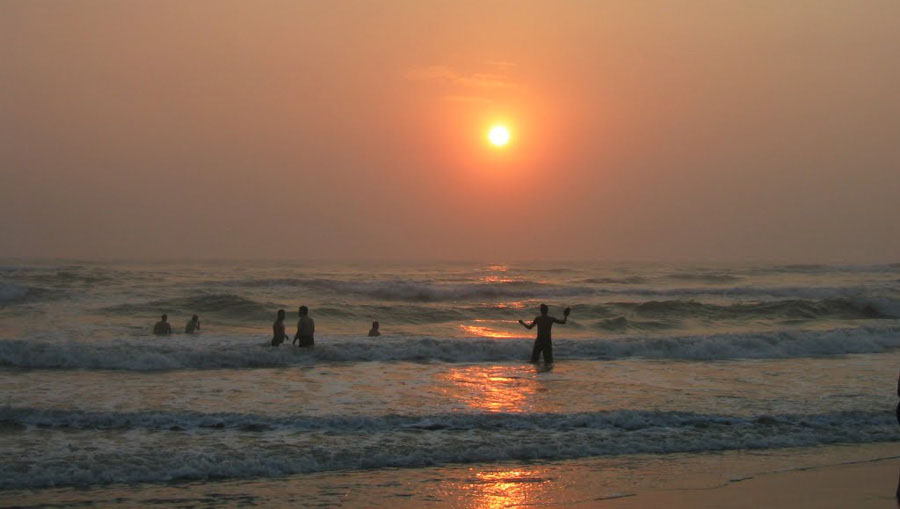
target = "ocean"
x: 656, y: 361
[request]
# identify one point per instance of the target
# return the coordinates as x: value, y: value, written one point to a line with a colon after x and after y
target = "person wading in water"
x: 306, y: 328
x: 544, y: 323
x: 278, y: 335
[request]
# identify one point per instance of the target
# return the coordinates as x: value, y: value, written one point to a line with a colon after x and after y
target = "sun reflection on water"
x: 498, y: 279
x: 487, y: 332
x: 491, y: 388
x: 516, y: 304
x: 505, y: 488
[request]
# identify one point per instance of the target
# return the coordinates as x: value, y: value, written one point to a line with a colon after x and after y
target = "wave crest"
x: 306, y: 444
x: 224, y: 304
x: 238, y: 352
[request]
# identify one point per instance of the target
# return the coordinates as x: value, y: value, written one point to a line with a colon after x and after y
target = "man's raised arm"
x: 566, y: 317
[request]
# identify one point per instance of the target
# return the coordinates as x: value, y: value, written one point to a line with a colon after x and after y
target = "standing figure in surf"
x: 193, y: 325
x: 373, y: 332
x: 306, y: 328
x: 544, y: 323
x: 278, y: 334
x: 162, y: 327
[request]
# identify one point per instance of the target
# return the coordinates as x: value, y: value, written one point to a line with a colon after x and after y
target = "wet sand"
x: 830, y: 476
x: 868, y: 484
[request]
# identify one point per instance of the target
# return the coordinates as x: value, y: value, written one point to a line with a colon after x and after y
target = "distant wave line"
x: 209, y: 352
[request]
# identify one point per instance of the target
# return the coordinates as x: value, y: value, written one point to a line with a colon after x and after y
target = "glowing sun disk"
x: 499, y: 135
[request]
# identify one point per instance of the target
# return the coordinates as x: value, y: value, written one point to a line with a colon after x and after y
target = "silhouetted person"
x: 544, y: 323
x: 278, y: 334
x: 193, y: 325
x: 162, y: 327
x: 373, y: 332
x: 306, y: 328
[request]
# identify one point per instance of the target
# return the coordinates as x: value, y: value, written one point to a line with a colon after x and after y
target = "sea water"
x: 654, y: 360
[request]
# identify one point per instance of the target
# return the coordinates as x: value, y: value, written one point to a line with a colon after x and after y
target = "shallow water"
x: 591, y: 482
x: 737, y: 358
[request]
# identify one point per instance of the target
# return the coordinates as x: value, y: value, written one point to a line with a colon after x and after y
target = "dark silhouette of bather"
x: 543, y: 343
x: 193, y: 325
x: 373, y: 332
x: 306, y: 328
x: 162, y: 327
x: 278, y: 334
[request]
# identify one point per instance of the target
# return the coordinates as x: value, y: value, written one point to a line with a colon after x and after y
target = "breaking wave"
x: 11, y: 294
x: 243, y: 352
x: 417, y: 291
x: 240, y: 445
x: 783, y: 309
x: 611, y: 316
x: 705, y: 277
x: 224, y: 304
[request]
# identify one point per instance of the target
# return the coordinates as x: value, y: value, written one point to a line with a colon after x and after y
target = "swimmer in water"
x: 278, y: 334
x: 193, y: 325
x: 306, y: 328
x: 373, y: 332
x: 162, y: 327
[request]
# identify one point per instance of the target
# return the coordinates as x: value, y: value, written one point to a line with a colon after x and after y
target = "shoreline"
x: 839, y: 475
x: 859, y: 484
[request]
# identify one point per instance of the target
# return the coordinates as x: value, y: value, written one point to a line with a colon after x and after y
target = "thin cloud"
x: 468, y: 99
x: 502, y: 64
x: 446, y: 75
x: 432, y: 72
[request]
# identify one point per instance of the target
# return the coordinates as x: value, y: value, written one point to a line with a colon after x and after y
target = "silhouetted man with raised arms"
x: 544, y: 323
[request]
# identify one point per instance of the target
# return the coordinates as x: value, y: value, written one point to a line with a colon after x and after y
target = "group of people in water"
x: 306, y: 329
x: 164, y: 328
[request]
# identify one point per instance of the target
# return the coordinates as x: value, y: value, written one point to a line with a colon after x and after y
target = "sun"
x: 499, y: 135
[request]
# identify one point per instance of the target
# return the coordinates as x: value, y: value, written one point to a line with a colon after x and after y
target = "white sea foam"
x: 235, y: 446
x: 10, y: 292
x: 630, y: 420
x: 236, y: 352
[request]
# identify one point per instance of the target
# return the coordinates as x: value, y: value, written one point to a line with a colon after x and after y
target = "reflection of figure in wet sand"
x: 278, y: 335
x: 373, y: 332
x: 544, y: 323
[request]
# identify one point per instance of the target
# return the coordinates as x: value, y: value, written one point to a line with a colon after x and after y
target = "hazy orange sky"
x: 657, y: 130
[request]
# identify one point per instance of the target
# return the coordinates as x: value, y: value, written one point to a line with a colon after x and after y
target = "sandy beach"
x: 830, y: 476
x: 862, y: 485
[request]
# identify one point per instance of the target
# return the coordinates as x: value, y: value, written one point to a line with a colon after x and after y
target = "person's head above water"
x: 303, y: 310
x: 280, y: 314
x: 165, y: 317
x: 195, y: 318
x: 374, y: 325
x: 544, y: 309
